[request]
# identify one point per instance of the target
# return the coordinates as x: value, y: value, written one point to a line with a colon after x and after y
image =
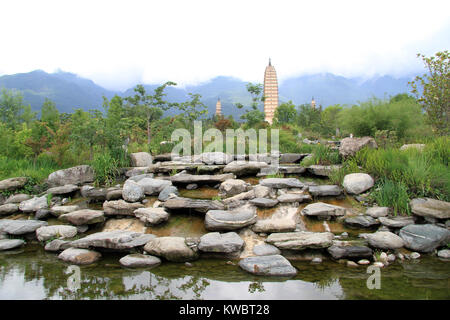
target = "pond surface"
x: 32, y: 273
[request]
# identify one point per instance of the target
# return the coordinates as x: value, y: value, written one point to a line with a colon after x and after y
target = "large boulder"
x: 132, y: 191
x: 12, y: 184
x: 75, y: 175
x: 273, y: 265
x: 137, y: 260
x: 141, y: 159
x: 7, y: 244
x: 430, y: 208
x: 79, y: 256
x: 350, y: 146
x: 323, y: 210
x: 384, y: 240
x: 34, y: 204
x: 301, y: 240
x: 83, y: 217
x: 325, y: 190
x: 349, y: 252
x: 120, y: 207
x: 153, y: 186
x: 171, y: 248
x: 221, y: 220
x: 8, y: 208
x: 424, y: 237
x: 116, y: 239
x: 152, y: 216
x: 279, y: 183
x: 56, y: 231
x: 216, y: 158
x: 221, y: 242
x: 19, y: 227
x: 356, y: 183
x: 188, y: 204
x: 244, y: 168
x: 232, y: 187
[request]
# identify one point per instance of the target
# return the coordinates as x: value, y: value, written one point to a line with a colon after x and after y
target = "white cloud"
x: 117, y: 43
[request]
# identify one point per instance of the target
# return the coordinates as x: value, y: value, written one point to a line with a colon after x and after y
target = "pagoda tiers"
x: 270, y: 92
x: 218, y: 108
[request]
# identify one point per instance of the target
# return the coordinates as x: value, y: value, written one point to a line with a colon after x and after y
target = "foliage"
x: 285, y: 113
x: 392, y: 194
x: 323, y: 155
x: 253, y: 115
x: 106, y: 169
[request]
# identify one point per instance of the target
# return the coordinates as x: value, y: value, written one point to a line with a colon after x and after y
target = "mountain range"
x: 70, y: 91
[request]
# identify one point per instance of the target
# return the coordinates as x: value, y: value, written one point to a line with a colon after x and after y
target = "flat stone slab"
x: 57, y: 245
x: 59, y: 210
x: 222, y: 220
x: 292, y: 157
x: 200, y: 178
x: 7, y: 244
x: 221, y: 242
x: 152, y: 216
x: 293, y: 197
x: 291, y: 169
x: 83, y: 217
x: 376, y: 212
x: 94, y: 194
x: 431, y: 208
x: 325, y: 190
x: 384, y: 240
x: 265, y: 249
x: 79, y: 256
x: 198, y: 205
x: 244, y: 168
x: 8, y: 208
x: 301, y: 240
x: 273, y: 265
x: 171, y: 248
x: 116, y: 239
x: 323, y: 171
x: 349, y: 252
x: 19, y: 227
x: 68, y: 188
x: 424, y: 237
x: 396, y: 222
x: 361, y: 222
x: 34, y: 204
x: 56, y: 231
x: 284, y: 219
x: 75, y: 175
x: 18, y: 198
x: 13, y: 183
x: 264, y: 202
x: 120, y: 207
x: 321, y: 209
x: 279, y: 183
x: 137, y: 260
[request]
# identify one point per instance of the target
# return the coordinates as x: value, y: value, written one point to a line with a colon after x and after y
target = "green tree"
x: 329, y: 120
x: 192, y: 109
x: 433, y: 90
x: 50, y: 114
x: 253, y: 115
x: 285, y: 113
x: 11, y: 108
x: 309, y: 117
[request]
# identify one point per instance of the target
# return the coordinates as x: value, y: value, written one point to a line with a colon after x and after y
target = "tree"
x: 253, y: 115
x: 329, y: 119
x: 193, y: 109
x: 50, y: 114
x: 308, y: 117
x: 285, y: 113
x: 11, y: 108
x: 433, y: 90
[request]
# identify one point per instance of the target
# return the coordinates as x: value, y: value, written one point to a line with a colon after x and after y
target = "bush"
x: 392, y: 194
x: 106, y: 169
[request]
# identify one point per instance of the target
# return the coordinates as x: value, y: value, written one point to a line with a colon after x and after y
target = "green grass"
x: 392, y: 194
x: 322, y: 155
x: 349, y: 166
x: 106, y: 169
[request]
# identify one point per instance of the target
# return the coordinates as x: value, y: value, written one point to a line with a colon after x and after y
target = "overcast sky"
x: 120, y: 43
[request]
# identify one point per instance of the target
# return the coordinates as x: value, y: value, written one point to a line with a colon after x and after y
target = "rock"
x: 325, y: 190
x: 415, y: 255
x: 116, y: 239
x: 12, y: 184
x: 17, y: 198
x: 124, y: 224
x: 301, y: 240
x: 94, y: 194
x: 184, y: 178
x: 232, y: 187
x: 168, y: 192
x: 265, y: 249
x: 163, y: 157
x: 66, y: 189
x: 391, y: 258
x: 19, y: 227
x: 378, y: 264
x: 139, y: 171
x: 284, y: 219
x: 396, y: 222
x: 8, y: 208
x: 59, y: 210
x: 425, y: 237
x: 356, y: 183
x: 350, y: 146
x: 141, y: 159
x: 7, y: 244
x: 187, y: 204
x: 192, y: 186
x: 75, y: 175
x: 293, y: 169
x: 349, y: 252
x: 205, y: 169
x: 316, y: 260
x: 57, y: 245
x: 292, y: 157
x: 417, y: 146
x: 83, y: 217
x: 351, y: 264
x: 445, y: 253
x: 216, y: 158
x: 56, y: 231
x: 79, y: 256
x: 278, y: 183
x: 384, y: 240
x: 264, y: 202
x: 137, y: 260
x: 383, y: 258
x: 83, y: 228
x: 431, y: 208
x: 42, y: 214
x: 376, y: 212
x: 115, y: 194
x: 239, y: 199
x: 244, y: 168
x: 321, y: 209
x: 273, y: 265
x: 361, y: 222
x: 171, y: 248
x: 152, y: 216
x: 132, y: 191
x: 221, y: 220
x: 34, y: 204
x: 261, y: 191
x: 293, y: 198
x: 120, y: 207
x: 221, y: 242
x: 322, y: 171
x: 153, y: 186
x: 364, y: 262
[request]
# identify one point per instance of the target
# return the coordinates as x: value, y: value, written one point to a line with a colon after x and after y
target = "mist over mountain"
x: 70, y: 91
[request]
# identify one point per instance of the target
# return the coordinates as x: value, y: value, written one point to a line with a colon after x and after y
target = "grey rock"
x: 94, y: 194
x: 116, y: 239
x: 187, y: 204
x: 192, y: 186
x: 445, y: 254
x: 424, y: 238
x: 152, y: 216
x: 132, y: 191
x: 292, y: 157
x: 166, y: 193
x: 321, y: 209
x: 137, y: 260
x: 264, y: 202
x: 114, y: 194
x: 284, y: 219
x: 19, y: 227
x: 66, y: 189
x: 221, y: 220
x: 139, y: 171
x: 184, y: 178
x: 42, y: 214
x: 325, y: 190
x: 59, y: 210
x: 376, y: 212
x: 120, y: 207
x: 34, y: 204
x: 349, y: 252
x: 57, y: 245
x: 79, y: 256
x: 216, y: 158
x: 244, y: 168
x: 12, y: 184
x: 301, y: 240
x: 273, y: 265
x: 153, y: 186
x: 75, y: 175
x: 221, y: 242
x: 361, y: 222
x: 8, y: 208
x: 17, y: 198
x: 293, y: 197
x: 232, y: 187
x: 171, y: 248
x: 384, y: 240
x: 278, y: 183
x: 7, y: 244
x: 396, y: 222
x: 56, y: 231
x: 350, y: 146
x: 83, y: 217
x: 323, y: 171
x: 356, y: 183
x: 431, y: 208
x: 141, y: 159
x: 265, y: 249
x: 293, y: 169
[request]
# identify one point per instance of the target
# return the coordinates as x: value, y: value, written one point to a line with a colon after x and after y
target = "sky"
x: 120, y: 43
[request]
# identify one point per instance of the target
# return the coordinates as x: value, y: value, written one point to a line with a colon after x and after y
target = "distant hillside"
x: 70, y: 91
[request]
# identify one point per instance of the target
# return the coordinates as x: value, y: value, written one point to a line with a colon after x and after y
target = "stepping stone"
x: 361, y: 222
x: 7, y: 244
x: 79, y: 256
x: 264, y: 202
x: 273, y: 265
x: 19, y: 227
x: 221, y: 242
x: 321, y: 209
x: 137, y: 260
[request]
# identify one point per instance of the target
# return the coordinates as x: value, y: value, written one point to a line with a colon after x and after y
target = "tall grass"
x: 323, y: 155
x: 392, y: 194
x: 106, y: 169
x: 37, y: 170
